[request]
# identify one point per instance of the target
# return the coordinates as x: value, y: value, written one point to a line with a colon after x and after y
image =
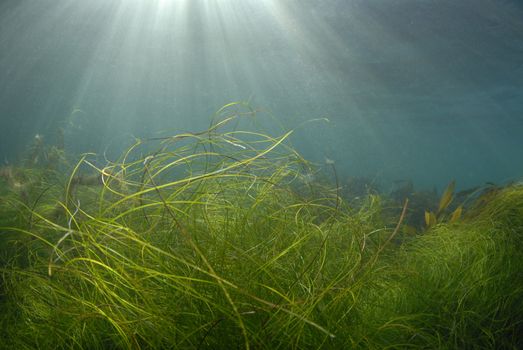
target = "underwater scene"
x: 261, y: 174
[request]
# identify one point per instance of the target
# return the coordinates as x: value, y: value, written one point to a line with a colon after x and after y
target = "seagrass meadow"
x: 261, y: 174
x: 221, y: 239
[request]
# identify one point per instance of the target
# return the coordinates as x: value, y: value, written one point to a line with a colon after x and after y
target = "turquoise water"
x: 426, y: 91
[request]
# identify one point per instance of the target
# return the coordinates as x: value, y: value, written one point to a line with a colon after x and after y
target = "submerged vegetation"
x: 219, y: 239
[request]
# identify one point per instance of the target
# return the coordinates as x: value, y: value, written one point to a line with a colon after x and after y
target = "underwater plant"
x: 218, y: 239
x: 432, y: 218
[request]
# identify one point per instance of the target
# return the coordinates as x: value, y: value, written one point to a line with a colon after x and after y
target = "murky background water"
x: 428, y: 90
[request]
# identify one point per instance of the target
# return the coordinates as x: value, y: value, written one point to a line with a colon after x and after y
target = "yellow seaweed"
x: 447, y: 197
x: 456, y: 214
x: 430, y: 219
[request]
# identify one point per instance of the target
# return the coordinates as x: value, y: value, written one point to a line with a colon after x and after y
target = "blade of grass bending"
x: 67, y: 234
x: 202, y: 176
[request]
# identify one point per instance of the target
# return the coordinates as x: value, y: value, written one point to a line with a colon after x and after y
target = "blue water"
x: 426, y: 90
